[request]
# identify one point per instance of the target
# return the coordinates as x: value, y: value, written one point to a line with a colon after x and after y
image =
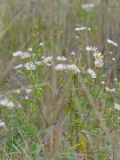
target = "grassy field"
x: 59, y: 80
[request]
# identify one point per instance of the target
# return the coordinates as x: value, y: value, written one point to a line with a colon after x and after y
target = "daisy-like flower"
x: 82, y: 28
x: 117, y: 106
x: 77, y: 37
x: 18, y: 54
x: 2, y: 124
x: 115, y: 79
x: 99, y: 63
x: 112, y: 42
x: 110, y: 89
x: 7, y: 103
x: 41, y: 44
x: 30, y: 66
x: 47, y: 60
x: 21, y: 54
x: 17, y: 91
x: 92, y: 73
x: 29, y: 49
x: 73, y: 53
x: 28, y: 90
x: 25, y: 55
x: 113, y: 59
x: 90, y: 48
x: 72, y: 67
x: 88, y: 6
x: 102, y: 82
x: 98, y: 56
x: 61, y: 58
x: 18, y: 66
x: 60, y: 67
x: 38, y: 63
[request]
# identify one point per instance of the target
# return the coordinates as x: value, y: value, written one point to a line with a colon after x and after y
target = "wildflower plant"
x: 65, y: 103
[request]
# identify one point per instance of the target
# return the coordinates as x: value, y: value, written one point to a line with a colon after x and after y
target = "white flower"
x: 72, y: 67
x: 98, y: 55
x: 113, y: 59
x: 68, y: 67
x: 60, y: 67
x: 41, y: 44
x: 92, y: 73
x: 21, y: 54
x: 61, y: 58
x: 38, y: 63
x: 82, y: 28
x: 2, y: 124
x: 90, y: 48
x: 115, y: 79
x: 18, y: 66
x: 102, y: 82
x: 47, y: 60
x: 30, y: 66
x: 77, y: 29
x: 26, y: 97
x: 7, y: 103
x: 99, y: 63
x: 18, y: 54
x: 88, y: 6
x: 28, y: 90
x: 117, y: 107
x: 77, y: 37
x: 110, y: 89
x: 111, y: 42
x: 17, y: 91
x: 25, y: 55
x: 29, y: 49
x: 73, y: 53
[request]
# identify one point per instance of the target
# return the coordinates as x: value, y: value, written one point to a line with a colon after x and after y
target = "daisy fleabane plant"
x: 90, y: 48
x: 82, y: 28
x: 6, y: 102
x: 60, y: 67
x: 92, y: 73
x: 2, y: 124
x: 97, y: 55
x: 117, y: 106
x: 99, y: 62
x: 112, y: 42
x: 30, y: 66
x: 67, y: 67
x: 61, y: 58
x: 21, y: 54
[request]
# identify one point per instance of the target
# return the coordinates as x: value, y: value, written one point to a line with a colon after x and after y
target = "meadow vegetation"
x: 59, y: 80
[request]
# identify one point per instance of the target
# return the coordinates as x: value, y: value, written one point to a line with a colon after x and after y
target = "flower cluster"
x: 2, y: 124
x: 67, y: 67
x: 92, y: 73
x: 90, y: 48
x: 22, y: 55
x: 98, y: 59
x: 6, y: 102
x: 30, y: 66
x: 82, y: 28
x: 88, y: 6
x: 110, y: 89
x: 60, y: 67
x: 117, y: 106
x: 61, y: 58
x: 18, y: 66
x: 111, y: 42
x: 47, y: 60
